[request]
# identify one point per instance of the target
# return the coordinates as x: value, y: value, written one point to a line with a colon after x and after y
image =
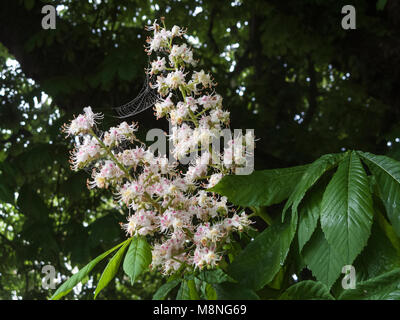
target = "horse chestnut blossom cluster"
x: 168, y: 203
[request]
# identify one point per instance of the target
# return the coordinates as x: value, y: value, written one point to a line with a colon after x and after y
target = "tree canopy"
x: 285, y: 68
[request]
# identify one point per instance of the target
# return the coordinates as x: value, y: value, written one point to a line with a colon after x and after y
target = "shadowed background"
x: 284, y: 68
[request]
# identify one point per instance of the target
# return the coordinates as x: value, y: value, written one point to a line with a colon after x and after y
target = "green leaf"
x: 388, y: 229
x: 209, y: 292
x: 163, y: 291
x: 194, y: 295
x: 325, y: 264
x: 378, y: 257
x: 261, y: 188
x: 380, y: 5
x: 347, y: 210
x: 314, y: 171
x: 214, y: 276
x: 309, y: 215
x: 307, y: 290
x: 387, y: 175
x: 67, y: 286
x: 259, y: 262
x: 184, y: 291
x: 138, y: 258
x: 383, y: 287
x: 233, y: 291
x: 111, y: 269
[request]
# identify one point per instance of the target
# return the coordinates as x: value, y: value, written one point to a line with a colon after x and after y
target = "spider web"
x: 146, y: 98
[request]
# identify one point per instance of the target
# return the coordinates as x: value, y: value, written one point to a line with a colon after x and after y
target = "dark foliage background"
x: 285, y: 68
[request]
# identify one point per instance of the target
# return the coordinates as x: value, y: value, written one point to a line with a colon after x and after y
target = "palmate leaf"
x: 233, y: 291
x: 187, y: 290
x: 314, y: 171
x: 307, y: 290
x: 309, y: 215
x: 214, y: 276
x: 111, y: 269
x: 383, y: 287
x: 259, y: 262
x: 163, y: 291
x: 68, y: 285
x: 347, y: 210
x: 325, y: 263
x: 138, y: 258
x: 378, y: 257
x: 387, y: 175
x: 261, y: 188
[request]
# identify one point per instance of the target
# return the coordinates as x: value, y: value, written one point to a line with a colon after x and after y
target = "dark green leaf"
x: 378, y: 257
x: 233, y: 291
x: 314, y: 171
x: 184, y: 291
x: 380, y: 5
x: 307, y: 290
x: 309, y: 215
x: 261, y: 188
x: 163, y: 291
x: 214, y: 276
x: 258, y: 263
x: 210, y: 292
x: 387, y: 175
x: 325, y: 264
x: 383, y: 287
x: 346, y: 209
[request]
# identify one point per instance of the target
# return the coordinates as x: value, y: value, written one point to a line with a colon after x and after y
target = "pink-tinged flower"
x: 237, y: 222
x: 87, y: 152
x: 214, y: 179
x: 166, y: 202
x: 177, y: 31
x: 162, y: 107
x: 109, y: 173
x: 180, y: 54
x: 83, y: 122
x: 205, y: 257
x: 175, y: 79
x: 203, y: 78
x: 157, y: 66
x: 141, y: 223
x: 129, y: 192
x: 219, y: 115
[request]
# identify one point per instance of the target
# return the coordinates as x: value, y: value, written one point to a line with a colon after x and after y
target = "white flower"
x: 181, y: 54
x: 205, y: 257
x: 203, y: 78
x: 177, y: 31
x: 214, y: 179
x: 175, y: 79
x: 168, y: 203
x: 83, y: 122
x: 162, y: 107
x: 158, y: 65
x: 86, y: 152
